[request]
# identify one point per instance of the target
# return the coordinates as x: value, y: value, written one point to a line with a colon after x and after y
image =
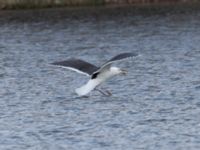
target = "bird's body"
x: 97, y: 75
x: 93, y: 83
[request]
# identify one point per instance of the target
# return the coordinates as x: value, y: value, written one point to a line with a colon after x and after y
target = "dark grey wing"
x: 78, y: 65
x: 121, y: 57
x: 108, y: 64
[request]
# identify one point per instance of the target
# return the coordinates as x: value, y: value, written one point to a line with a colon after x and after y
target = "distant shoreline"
x: 34, y: 4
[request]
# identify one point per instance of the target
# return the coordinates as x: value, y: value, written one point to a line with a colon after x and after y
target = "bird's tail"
x: 87, y: 88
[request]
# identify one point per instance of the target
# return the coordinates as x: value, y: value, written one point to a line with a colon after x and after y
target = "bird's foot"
x: 108, y: 93
x: 85, y: 96
x: 105, y: 93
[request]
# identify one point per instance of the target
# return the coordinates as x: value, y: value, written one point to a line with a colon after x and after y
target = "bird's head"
x: 117, y: 71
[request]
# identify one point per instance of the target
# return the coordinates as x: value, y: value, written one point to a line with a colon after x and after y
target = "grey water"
x: 155, y: 107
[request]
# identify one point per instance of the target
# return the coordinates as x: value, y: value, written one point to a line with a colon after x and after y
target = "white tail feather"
x: 87, y: 88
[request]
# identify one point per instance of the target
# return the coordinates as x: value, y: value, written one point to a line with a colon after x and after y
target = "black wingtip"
x: 133, y: 54
x: 54, y: 63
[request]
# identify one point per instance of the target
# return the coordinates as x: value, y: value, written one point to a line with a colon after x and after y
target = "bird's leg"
x: 106, y: 93
x: 102, y: 92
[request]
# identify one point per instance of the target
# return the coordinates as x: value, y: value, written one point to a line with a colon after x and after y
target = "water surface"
x: 156, y: 106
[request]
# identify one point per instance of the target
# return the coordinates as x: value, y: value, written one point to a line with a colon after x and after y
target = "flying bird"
x: 97, y: 74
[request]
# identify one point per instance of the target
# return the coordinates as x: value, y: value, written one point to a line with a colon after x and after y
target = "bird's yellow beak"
x: 124, y: 72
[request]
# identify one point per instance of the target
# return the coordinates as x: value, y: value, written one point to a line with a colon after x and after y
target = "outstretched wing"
x: 78, y: 65
x: 116, y: 58
x: 121, y: 56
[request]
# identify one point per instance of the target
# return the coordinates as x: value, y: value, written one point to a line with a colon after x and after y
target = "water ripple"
x: 156, y: 106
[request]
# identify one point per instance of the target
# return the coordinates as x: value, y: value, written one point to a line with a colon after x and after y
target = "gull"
x: 97, y: 75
